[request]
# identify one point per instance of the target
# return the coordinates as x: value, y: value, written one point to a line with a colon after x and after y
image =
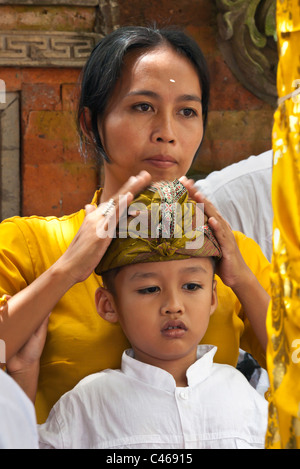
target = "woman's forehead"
x: 161, y: 63
x: 162, y: 56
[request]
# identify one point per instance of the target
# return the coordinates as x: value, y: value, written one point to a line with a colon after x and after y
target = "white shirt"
x: 242, y: 194
x: 18, y: 428
x: 140, y: 406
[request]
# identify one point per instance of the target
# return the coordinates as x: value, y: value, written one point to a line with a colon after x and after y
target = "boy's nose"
x: 172, y: 305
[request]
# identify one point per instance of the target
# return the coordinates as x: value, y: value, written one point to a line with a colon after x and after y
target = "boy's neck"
x: 177, y: 367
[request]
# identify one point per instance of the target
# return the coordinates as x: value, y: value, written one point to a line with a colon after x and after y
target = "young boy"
x: 168, y: 393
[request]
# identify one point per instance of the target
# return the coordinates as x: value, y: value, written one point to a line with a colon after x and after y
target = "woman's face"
x: 153, y: 120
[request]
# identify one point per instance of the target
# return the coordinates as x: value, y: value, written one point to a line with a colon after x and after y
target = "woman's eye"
x: 143, y: 107
x: 191, y: 286
x: 188, y: 112
x: 148, y: 290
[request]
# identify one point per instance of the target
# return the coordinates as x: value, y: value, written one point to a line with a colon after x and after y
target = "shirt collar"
x: 160, y: 378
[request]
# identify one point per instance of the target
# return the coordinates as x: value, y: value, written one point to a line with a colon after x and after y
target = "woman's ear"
x: 214, y: 298
x: 105, y: 305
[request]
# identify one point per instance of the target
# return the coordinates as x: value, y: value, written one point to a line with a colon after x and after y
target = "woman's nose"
x: 163, y: 130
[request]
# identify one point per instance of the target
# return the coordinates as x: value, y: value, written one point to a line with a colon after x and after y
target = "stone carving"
x: 51, y: 49
x: 247, y: 39
x: 45, y: 49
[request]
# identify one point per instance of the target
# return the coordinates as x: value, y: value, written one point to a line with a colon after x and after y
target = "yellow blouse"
x: 79, y: 342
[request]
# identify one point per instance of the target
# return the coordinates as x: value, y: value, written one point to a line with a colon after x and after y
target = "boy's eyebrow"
x: 153, y: 94
x: 144, y: 275
x: 141, y: 275
x: 194, y: 269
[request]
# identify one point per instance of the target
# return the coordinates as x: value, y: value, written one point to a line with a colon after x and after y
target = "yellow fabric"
x: 283, y: 319
x: 79, y: 342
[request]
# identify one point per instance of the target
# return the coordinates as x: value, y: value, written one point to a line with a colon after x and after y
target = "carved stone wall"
x: 36, y: 48
x: 55, y: 49
x: 247, y: 39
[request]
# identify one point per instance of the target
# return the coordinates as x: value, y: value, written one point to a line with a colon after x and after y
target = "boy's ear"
x: 214, y: 299
x: 105, y: 305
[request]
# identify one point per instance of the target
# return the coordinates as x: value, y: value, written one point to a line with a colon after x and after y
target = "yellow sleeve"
x: 16, y: 268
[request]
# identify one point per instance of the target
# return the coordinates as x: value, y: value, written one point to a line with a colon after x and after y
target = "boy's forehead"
x: 159, y: 269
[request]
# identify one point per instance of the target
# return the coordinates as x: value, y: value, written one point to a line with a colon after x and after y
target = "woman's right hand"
x: 92, y: 239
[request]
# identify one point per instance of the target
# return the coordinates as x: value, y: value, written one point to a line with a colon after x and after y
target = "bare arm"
x: 24, y: 367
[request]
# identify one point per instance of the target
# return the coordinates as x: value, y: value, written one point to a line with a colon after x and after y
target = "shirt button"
x: 183, y: 395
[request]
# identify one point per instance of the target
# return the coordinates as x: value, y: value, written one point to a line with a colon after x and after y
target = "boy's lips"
x: 174, y: 329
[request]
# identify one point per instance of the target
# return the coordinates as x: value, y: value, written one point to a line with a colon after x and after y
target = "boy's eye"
x: 191, y: 286
x: 148, y: 290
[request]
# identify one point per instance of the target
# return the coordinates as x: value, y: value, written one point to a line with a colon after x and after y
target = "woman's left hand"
x: 232, y: 268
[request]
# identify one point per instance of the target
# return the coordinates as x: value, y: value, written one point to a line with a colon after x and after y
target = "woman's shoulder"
x: 35, y: 226
x: 248, y: 246
x: 37, y: 223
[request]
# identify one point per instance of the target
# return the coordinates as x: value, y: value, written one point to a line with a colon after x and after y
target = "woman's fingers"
x: 135, y: 184
x: 128, y: 191
x: 210, y: 210
x: 98, y: 230
x: 113, y: 209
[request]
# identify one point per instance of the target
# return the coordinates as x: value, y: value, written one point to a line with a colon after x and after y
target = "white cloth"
x: 241, y: 192
x: 140, y: 406
x: 18, y: 427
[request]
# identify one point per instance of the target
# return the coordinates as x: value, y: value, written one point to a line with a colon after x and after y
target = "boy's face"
x: 164, y: 308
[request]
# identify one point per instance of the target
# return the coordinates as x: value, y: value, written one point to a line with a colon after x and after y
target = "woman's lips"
x: 161, y: 161
x: 174, y: 329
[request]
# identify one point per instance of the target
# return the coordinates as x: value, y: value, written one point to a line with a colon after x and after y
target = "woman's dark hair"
x: 104, y: 67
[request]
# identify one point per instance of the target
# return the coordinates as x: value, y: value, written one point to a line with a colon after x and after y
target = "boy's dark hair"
x: 104, y: 67
x: 108, y: 279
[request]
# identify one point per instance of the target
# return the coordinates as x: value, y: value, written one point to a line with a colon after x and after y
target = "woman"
x: 143, y: 107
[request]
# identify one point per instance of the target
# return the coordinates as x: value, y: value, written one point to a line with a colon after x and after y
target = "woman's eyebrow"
x: 189, y: 97
x: 149, y: 93
x: 153, y: 94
